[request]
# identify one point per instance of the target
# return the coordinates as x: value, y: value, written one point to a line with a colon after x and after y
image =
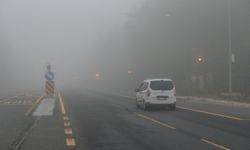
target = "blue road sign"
x: 49, y: 67
x: 49, y: 76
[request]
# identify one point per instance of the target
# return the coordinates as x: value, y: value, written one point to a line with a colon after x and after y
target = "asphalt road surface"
x: 89, y: 120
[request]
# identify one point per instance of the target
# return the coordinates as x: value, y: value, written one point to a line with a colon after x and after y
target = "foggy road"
x: 98, y: 121
x: 14, y: 111
x: 73, y: 74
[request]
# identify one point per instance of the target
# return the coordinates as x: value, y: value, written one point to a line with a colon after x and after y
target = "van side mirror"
x: 137, y: 90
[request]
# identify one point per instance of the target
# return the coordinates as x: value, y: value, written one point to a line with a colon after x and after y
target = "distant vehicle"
x: 156, y: 92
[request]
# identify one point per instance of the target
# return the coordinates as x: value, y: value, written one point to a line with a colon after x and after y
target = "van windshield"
x: 161, y: 85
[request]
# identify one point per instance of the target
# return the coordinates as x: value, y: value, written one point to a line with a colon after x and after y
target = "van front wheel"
x: 136, y: 104
x: 145, y: 106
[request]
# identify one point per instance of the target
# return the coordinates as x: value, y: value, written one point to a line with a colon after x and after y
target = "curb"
x: 234, y: 103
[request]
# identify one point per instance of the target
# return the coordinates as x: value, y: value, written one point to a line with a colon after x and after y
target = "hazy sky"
x: 83, y: 37
x: 61, y: 32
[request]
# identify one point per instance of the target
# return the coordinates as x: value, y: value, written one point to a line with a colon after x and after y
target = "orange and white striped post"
x: 50, y: 88
x: 49, y: 83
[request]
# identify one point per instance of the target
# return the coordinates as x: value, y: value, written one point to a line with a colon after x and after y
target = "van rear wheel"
x: 173, y: 107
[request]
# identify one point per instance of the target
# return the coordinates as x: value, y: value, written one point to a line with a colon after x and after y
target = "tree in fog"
x: 164, y: 37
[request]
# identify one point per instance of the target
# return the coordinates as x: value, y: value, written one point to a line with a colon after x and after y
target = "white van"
x: 156, y: 92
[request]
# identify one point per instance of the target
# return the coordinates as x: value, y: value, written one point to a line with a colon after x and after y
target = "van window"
x: 161, y: 85
x: 143, y: 86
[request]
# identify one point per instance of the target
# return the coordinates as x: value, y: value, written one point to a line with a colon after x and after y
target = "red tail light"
x: 174, y: 92
x: 148, y: 92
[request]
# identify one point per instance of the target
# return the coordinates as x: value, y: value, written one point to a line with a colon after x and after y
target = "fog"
x: 60, y: 32
x: 124, y: 41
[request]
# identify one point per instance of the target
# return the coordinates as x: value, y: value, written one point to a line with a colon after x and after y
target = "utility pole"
x: 229, y: 46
